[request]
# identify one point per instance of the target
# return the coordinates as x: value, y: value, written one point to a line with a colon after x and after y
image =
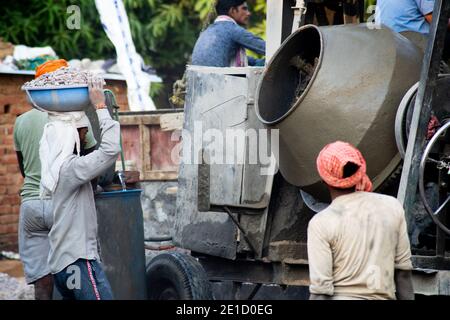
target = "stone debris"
x: 15, y: 288
x: 65, y: 76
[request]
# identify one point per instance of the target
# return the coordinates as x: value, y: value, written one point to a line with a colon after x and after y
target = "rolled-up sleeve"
x: 425, y: 6
x: 320, y: 259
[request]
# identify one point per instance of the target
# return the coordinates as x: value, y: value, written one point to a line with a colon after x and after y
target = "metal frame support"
x: 279, y: 24
x: 361, y: 10
x: 299, y: 14
x: 422, y: 109
x: 274, y: 27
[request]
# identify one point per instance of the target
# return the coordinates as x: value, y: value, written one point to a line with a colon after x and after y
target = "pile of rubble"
x: 15, y: 288
x: 62, y: 77
x: 12, y: 281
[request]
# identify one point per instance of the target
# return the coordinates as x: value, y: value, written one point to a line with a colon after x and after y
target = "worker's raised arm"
x: 86, y: 168
x: 248, y: 40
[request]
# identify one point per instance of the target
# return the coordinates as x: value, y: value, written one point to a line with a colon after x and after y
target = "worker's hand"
x: 96, y: 92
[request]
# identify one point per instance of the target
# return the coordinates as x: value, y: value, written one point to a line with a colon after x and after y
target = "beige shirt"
x: 354, y: 246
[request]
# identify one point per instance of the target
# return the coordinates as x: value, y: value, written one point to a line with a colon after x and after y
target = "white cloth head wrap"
x: 57, y: 144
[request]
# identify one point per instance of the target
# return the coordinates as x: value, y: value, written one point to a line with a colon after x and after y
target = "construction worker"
x: 36, y: 217
x: 74, y: 259
x: 358, y: 247
x: 409, y: 15
x: 224, y: 42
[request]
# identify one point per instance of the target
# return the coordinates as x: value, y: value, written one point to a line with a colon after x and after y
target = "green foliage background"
x: 164, y: 31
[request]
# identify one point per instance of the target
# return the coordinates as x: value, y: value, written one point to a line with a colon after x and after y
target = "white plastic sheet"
x: 115, y: 23
x: 22, y: 52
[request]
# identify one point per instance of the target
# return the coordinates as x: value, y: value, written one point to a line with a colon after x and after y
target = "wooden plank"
x: 149, y: 119
x: 129, y: 120
x: 160, y: 175
x: 171, y: 121
x: 141, y: 147
x: 131, y: 145
x: 146, y: 148
x: 162, y: 146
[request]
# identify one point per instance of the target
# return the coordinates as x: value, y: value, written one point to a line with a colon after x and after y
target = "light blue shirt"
x: 404, y: 15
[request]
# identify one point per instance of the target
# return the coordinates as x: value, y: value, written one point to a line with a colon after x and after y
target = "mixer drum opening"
x: 290, y: 74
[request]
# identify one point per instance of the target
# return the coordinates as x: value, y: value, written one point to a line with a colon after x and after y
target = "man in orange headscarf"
x: 358, y: 247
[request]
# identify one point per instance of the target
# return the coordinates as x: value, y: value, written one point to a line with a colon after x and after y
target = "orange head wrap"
x: 331, y: 162
x: 50, y: 66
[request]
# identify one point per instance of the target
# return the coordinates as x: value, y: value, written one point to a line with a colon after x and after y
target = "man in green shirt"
x: 36, y: 217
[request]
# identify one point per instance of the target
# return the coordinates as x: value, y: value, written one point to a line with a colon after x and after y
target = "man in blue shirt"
x: 405, y: 15
x: 224, y: 42
x: 409, y: 15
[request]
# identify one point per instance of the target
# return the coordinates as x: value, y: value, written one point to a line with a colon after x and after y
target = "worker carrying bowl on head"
x: 36, y: 215
x: 224, y: 42
x: 358, y: 247
x: 65, y: 178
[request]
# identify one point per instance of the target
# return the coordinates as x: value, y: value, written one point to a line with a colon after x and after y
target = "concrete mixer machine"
x: 244, y: 222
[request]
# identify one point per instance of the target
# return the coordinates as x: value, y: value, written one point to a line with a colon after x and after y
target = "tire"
x: 177, y: 276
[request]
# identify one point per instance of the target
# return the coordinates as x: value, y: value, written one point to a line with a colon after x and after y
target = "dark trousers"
x: 83, y: 280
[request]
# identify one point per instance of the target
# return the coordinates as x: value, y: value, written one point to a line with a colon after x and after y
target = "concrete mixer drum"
x: 375, y: 68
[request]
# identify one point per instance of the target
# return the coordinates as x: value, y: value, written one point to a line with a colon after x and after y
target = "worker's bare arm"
x: 403, y: 284
x: 96, y: 94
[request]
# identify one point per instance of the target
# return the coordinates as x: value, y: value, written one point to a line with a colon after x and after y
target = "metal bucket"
x: 358, y: 83
x: 59, y: 98
x: 121, y: 238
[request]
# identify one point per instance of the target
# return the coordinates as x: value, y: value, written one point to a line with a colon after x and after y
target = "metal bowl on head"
x: 59, y: 98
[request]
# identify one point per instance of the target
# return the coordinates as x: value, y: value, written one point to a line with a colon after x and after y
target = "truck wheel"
x: 177, y: 276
